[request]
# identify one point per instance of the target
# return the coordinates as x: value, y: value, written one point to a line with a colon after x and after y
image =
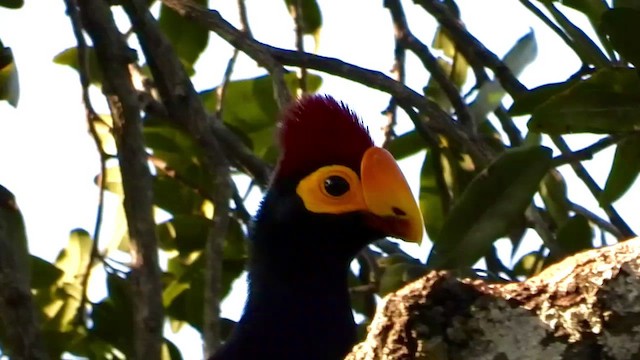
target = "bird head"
x: 333, y: 183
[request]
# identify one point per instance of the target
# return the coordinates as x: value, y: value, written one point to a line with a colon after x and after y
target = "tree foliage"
x: 482, y: 179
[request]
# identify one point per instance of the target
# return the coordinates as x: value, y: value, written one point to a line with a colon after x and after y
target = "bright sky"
x: 48, y: 160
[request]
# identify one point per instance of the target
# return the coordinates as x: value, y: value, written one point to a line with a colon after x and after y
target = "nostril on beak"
x: 398, y: 211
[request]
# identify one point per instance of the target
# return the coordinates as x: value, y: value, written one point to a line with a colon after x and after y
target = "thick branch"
x: 184, y: 106
x: 114, y: 58
x: 585, y: 307
x: 17, y: 311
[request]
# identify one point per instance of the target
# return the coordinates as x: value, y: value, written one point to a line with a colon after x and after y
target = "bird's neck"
x: 303, y: 300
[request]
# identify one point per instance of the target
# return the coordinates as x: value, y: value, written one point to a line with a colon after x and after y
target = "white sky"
x: 48, y: 160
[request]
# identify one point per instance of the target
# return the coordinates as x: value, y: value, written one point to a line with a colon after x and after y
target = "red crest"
x: 318, y: 131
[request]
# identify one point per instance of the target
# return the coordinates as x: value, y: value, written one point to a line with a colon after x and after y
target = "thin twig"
x: 588, y: 152
x: 227, y: 31
x: 244, y: 19
x: 595, y: 190
x: 92, y: 118
x: 508, y: 126
x: 600, y: 222
x: 298, y: 18
x: 550, y: 24
x: 222, y: 89
x: 409, y: 41
x: 114, y: 57
x: 472, y: 49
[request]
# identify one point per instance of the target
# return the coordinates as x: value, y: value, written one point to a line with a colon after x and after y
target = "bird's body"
x: 313, y: 220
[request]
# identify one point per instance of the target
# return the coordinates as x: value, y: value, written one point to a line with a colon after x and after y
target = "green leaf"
x: 574, y: 236
x: 9, y: 82
x: 406, y: 145
x: 607, y: 102
x: 69, y: 57
x: 73, y: 259
x: 311, y: 15
x: 528, y: 265
x: 430, y: 202
x: 397, y: 275
x: 186, y: 233
x: 12, y: 4
x: 633, y: 4
x: 624, y: 170
x: 491, y: 93
x: 189, y: 39
x: 43, y: 273
x: 527, y: 102
x: 250, y: 108
x: 175, y: 197
x: 495, y: 198
x: 622, y: 26
x: 553, y: 191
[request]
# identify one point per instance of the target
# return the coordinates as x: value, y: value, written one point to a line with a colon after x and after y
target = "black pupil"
x: 336, y: 185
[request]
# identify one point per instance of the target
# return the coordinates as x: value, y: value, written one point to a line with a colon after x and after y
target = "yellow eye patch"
x: 333, y: 189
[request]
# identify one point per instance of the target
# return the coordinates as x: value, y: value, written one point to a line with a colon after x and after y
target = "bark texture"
x: 585, y: 307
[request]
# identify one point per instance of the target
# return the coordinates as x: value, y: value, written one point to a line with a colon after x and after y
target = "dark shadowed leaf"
x: 431, y: 205
x: 250, y: 108
x: 113, y: 317
x: 311, y: 15
x: 574, y: 236
x: 9, y: 83
x: 607, y: 102
x: 622, y: 25
x: 633, y: 4
x: 170, y: 351
x: 624, y: 170
x: 43, y: 273
x: 186, y: 233
x: 495, y: 198
x: 406, y: 145
x: 12, y: 4
x: 189, y: 39
x: 527, y: 102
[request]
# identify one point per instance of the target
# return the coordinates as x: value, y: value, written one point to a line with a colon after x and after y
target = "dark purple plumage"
x: 317, y: 131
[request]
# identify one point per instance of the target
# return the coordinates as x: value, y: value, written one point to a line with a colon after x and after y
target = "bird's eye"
x: 336, y: 185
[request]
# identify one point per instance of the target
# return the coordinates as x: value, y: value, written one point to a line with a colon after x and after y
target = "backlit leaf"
x: 9, y: 83
x: 189, y: 39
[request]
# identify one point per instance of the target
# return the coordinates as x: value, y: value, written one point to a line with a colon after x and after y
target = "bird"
x: 332, y: 193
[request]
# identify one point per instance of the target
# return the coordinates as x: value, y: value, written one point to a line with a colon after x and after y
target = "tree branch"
x: 472, y: 49
x: 184, y: 106
x: 408, y: 40
x: 17, y: 310
x: 438, y: 120
x: 190, y: 9
x: 114, y: 58
x: 593, y: 187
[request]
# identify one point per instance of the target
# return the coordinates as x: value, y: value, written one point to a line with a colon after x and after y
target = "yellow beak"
x: 388, y: 197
